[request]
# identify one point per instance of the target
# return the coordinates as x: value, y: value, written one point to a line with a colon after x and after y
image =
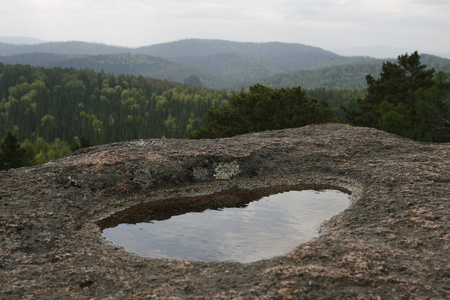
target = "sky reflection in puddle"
x: 271, y: 226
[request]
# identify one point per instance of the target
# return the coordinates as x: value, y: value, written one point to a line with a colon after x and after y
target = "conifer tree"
x: 264, y: 108
x: 11, y: 154
x: 402, y: 100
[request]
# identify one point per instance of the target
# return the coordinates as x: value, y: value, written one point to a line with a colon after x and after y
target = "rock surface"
x: 392, y: 242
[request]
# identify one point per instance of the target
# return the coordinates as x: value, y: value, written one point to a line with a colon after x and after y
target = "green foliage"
x: 40, y: 151
x: 263, y: 108
x: 407, y: 99
x: 11, y: 154
x: 66, y: 103
x: 337, y: 99
x: 394, y: 118
x: 433, y: 110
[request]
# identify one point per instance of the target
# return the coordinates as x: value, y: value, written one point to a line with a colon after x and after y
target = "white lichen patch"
x: 142, y: 143
x: 139, y: 143
x: 227, y: 170
x: 72, y: 181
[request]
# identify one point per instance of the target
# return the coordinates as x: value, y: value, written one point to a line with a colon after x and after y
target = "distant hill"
x: 351, y: 75
x: 132, y: 64
x: 376, y: 51
x: 383, y: 52
x: 233, y: 67
x: 436, y: 62
x: 292, y: 56
x: 345, y: 76
x: 65, y: 48
x: 20, y: 40
x: 216, y: 63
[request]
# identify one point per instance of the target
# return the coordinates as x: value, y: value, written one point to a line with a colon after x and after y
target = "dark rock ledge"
x: 392, y: 242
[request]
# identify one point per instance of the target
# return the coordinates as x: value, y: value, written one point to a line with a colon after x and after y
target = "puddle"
x: 238, y: 225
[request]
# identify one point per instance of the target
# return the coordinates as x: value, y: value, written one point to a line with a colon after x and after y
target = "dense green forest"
x: 66, y: 103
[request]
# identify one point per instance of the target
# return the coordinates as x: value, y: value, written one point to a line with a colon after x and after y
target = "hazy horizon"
x: 376, y: 51
x: 328, y: 24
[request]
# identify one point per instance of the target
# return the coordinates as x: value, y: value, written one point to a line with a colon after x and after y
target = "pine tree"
x: 11, y: 154
x: 407, y: 99
x: 264, y: 108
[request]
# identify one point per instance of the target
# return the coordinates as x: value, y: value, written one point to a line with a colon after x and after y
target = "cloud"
x: 323, y: 23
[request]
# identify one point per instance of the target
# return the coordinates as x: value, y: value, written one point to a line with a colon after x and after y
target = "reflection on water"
x: 271, y: 226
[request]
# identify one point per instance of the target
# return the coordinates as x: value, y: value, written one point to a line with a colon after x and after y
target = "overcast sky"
x: 422, y: 25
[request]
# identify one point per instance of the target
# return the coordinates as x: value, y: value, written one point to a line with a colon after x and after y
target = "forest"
x: 54, y: 111
x: 65, y: 103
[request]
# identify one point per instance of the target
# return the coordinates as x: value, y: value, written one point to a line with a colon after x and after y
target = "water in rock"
x: 262, y: 229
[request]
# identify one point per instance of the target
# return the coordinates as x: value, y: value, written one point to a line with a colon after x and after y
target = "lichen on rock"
x: 227, y: 170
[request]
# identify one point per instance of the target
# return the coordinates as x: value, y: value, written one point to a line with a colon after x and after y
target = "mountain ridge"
x: 20, y: 40
x: 217, y: 63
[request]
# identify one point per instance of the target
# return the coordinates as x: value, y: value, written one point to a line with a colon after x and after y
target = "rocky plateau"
x: 392, y: 242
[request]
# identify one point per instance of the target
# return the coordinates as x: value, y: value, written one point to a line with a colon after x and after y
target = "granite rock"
x: 392, y: 242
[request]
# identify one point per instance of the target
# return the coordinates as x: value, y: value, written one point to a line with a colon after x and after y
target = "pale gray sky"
x: 422, y: 25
